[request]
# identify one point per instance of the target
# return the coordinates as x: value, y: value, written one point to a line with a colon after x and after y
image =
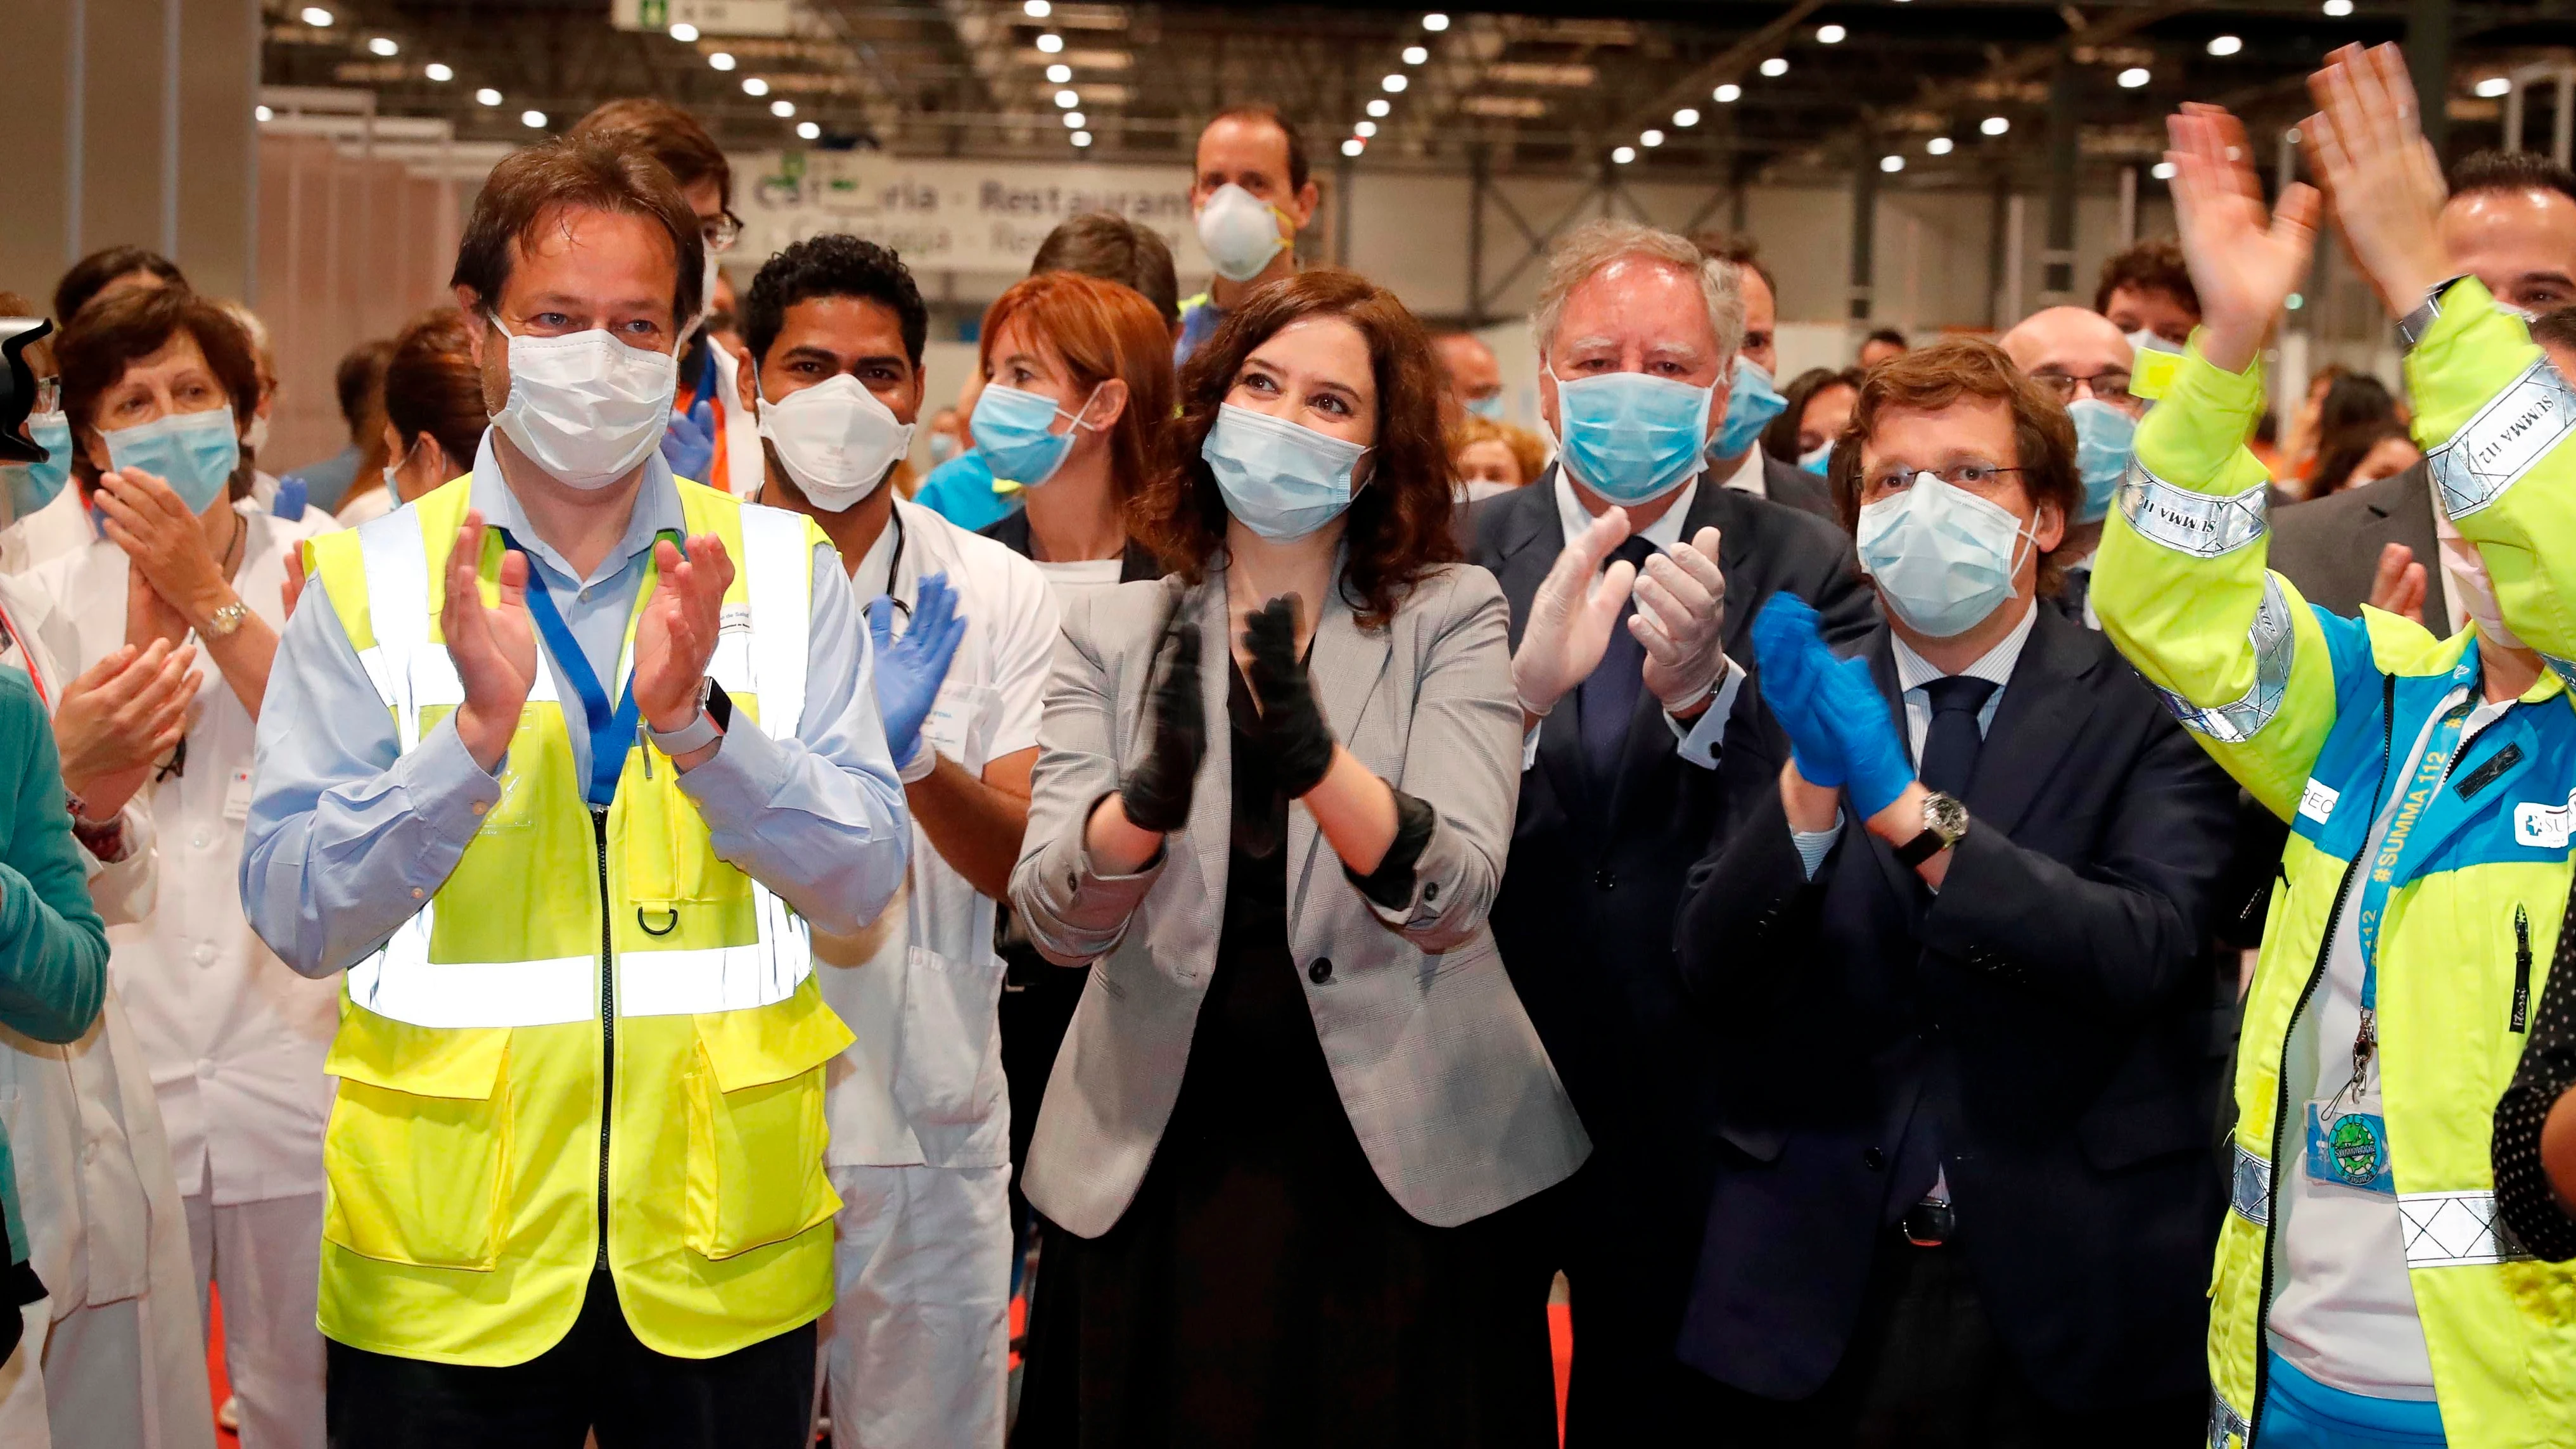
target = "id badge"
x: 2351, y: 1152
x: 237, y: 796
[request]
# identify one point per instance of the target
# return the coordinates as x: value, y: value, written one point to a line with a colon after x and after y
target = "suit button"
x: 1431, y: 891
x: 1604, y: 879
x: 1321, y: 971
x: 1873, y: 1159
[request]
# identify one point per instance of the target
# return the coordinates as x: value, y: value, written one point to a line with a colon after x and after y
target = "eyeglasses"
x: 2111, y: 385
x: 721, y: 233
x: 1957, y: 475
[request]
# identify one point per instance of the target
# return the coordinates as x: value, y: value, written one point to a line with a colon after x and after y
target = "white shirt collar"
x: 1748, y: 476
x: 1663, y: 533
x: 1913, y: 671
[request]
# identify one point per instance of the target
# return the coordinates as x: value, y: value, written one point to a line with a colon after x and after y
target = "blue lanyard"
x: 2420, y: 788
x: 612, y: 731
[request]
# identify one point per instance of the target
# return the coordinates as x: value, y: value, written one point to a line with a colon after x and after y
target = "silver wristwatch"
x: 1945, y: 821
x: 2412, y: 327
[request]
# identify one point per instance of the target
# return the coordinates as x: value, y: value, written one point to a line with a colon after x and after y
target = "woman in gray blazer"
x: 1274, y: 792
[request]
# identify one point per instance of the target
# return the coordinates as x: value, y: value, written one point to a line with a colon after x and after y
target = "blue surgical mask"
x: 1011, y: 430
x: 2103, y: 438
x: 33, y: 485
x: 1818, y: 460
x: 942, y: 447
x: 1942, y: 557
x: 1280, y: 479
x: 1490, y: 408
x: 1751, y: 403
x: 1629, y: 436
x: 195, y: 453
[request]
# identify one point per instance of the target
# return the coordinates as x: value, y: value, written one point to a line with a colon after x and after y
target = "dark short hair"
x: 90, y: 275
x: 1928, y: 379
x: 583, y: 172
x: 832, y: 265
x: 2149, y: 266
x: 664, y: 132
x: 432, y: 385
x: 1398, y: 527
x: 1888, y: 335
x: 1108, y: 246
x: 2345, y: 451
x: 1267, y: 114
x: 1739, y: 249
x: 2511, y: 171
x: 115, y: 331
x: 360, y: 378
x: 1780, y: 435
x: 2555, y: 328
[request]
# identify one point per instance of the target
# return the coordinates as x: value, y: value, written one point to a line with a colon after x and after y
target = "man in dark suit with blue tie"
x: 1955, y: 949
x: 1627, y: 676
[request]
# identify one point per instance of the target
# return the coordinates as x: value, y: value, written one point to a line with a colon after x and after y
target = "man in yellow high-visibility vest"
x: 558, y: 762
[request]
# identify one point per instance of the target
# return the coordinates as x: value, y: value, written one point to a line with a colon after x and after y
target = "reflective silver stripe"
x: 2566, y: 669
x: 2274, y: 643
x: 764, y: 654
x: 2204, y: 525
x: 2225, y: 1424
x: 2492, y: 451
x: 2455, y: 1230
x: 2250, y: 1188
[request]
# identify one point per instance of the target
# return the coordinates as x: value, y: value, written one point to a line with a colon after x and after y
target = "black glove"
x: 1156, y: 793
x: 1293, y: 731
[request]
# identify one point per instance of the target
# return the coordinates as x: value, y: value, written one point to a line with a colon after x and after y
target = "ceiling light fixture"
x: 2338, y: 8
x: 1830, y: 34
x: 2162, y: 171
x: 1891, y: 164
x: 1776, y: 66
x: 808, y: 131
x: 383, y: 45
x: 1037, y: 9
x: 487, y: 96
x: 2225, y: 44
x: 317, y: 17
x: 1435, y: 21
x: 533, y: 120
x: 1994, y: 125
x: 1937, y: 146
x: 2495, y: 87
x: 1050, y: 43
x: 1082, y: 138
x: 438, y: 71
x: 262, y: 113
x: 1364, y: 129
x: 1685, y: 117
x: 753, y: 85
x: 721, y: 59
x: 1624, y: 155
x: 1727, y: 94
x: 1415, y: 55
x: 1650, y: 138
x: 683, y: 32
x: 1067, y: 100
x: 1379, y: 107
x: 1394, y: 84
x: 2134, y: 77
x: 782, y: 109
x: 1075, y: 120
x: 1059, y: 73
x: 1354, y: 146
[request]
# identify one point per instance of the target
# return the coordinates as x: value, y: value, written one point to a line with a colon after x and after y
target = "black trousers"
x: 1925, y: 1371
x: 598, y: 1378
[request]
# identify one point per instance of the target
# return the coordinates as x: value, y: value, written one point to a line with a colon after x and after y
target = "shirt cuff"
x: 1815, y: 845
x: 446, y: 787
x: 736, y: 783
x: 1529, y: 746
x: 1699, y: 740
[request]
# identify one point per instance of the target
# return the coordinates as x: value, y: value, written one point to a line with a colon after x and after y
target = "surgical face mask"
x: 1281, y: 479
x: 1751, y: 402
x: 585, y: 407
x: 195, y: 453
x: 1490, y: 408
x: 2104, y: 436
x: 1818, y: 460
x: 1014, y: 430
x: 33, y: 485
x: 255, y: 437
x: 1942, y: 557
x: 1240, y: 232
x: 835, y: 439
x: 393, y: 483
x: 2468, y: 577
x: 708, y: 275
x: 943, y: 446
x: 1629, y: 436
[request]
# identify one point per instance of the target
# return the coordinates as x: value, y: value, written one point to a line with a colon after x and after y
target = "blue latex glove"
x: 1791, y: 652
x: 689, y: 445
x: 909, y: 670
x: 1875, y: 767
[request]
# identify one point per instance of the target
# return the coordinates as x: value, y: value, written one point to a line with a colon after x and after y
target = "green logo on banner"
x: 653, y: 14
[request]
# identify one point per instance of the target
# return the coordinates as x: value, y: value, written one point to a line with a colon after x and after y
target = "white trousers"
x: 917, y: 1347
x: 22, y: 1383
x: 124, y: 1375
x: 266, y: 1257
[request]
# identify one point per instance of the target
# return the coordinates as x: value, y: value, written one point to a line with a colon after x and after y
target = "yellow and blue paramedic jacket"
x: 2312, y: 712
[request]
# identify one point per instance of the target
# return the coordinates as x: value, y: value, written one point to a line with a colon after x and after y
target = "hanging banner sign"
x: 951, y: 215
x: 711, y: 17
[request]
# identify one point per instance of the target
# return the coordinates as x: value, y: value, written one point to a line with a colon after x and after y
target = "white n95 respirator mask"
x: 1240, y: 231
x: 835, y: 439
x: 585, y: 407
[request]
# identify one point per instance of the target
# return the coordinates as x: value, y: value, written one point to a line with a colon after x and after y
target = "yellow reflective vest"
x: 2313, y: 714
x: 598, y: 1045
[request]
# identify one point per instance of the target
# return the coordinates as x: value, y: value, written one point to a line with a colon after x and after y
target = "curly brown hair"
x: 1398, y: 526
x: 1929, y: 379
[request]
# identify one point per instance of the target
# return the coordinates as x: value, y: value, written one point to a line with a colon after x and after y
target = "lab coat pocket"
x: 756, y: 1134
x: 946, y: 1071
x: 416, y: 1158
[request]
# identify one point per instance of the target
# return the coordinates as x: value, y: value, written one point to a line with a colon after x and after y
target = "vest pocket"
x: 754, y: 1087
x: 416, y: 1157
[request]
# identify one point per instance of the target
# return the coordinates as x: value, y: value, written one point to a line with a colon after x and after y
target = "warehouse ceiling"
x: 1950, y: 91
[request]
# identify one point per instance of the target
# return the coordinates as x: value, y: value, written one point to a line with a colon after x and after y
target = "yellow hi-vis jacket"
x: 598, y: 1045
x: 2314, y: 713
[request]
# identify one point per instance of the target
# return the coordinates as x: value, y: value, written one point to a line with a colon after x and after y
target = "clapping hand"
x: 493, y: 646
x: 2398, y: 585
x: 1571, y: 618
x: 1156, y: 794
x: 1681, y: 621
x: 676, y: 638
x: 166, y: 542
x: 1831, y: 708
x: 2244, y: 263
x: 910, y: 670
x: 123, y: 713
x: 2367, y: 145
x: 1293, y: 729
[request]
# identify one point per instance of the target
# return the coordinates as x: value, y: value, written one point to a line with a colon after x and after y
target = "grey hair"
x: 1596, y: 244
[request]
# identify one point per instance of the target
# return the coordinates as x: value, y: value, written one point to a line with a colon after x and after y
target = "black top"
x: 1011, y: 531
x: 2548, y: 1071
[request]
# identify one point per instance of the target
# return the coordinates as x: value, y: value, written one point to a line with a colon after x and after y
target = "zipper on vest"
x: 2280, y: 1071
x: 2521, y: 969
x: 607, y: 1027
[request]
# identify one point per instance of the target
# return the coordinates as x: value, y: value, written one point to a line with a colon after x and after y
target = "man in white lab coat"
x: 159, y: 387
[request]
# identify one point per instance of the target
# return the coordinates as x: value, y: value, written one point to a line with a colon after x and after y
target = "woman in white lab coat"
x: 157, y: 385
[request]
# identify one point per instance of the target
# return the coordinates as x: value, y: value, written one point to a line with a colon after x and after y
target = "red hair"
x: 1102, y: 330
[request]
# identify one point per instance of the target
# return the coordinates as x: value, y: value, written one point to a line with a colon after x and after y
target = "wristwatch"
x: 1945, y: 820
x: 2412, y: 327
x: 223, y: 623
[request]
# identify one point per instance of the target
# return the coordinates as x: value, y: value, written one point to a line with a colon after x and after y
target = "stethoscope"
x: 894, y: 570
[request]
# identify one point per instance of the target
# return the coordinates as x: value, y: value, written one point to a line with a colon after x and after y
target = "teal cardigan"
x: 53, y: 950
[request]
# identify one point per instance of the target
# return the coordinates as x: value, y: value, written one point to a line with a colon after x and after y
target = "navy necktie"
x: 1608, y: 696
x: 1950, y: 746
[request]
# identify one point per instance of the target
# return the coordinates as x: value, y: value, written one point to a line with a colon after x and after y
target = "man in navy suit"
x: 1953, y: 946
x: 1625, y: 698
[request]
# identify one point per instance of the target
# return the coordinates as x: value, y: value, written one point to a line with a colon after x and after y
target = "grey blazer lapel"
x: 1344, y: 668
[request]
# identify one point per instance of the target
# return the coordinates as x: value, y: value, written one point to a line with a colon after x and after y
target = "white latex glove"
x: 1681, y: 619
x: 1571, y: 618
